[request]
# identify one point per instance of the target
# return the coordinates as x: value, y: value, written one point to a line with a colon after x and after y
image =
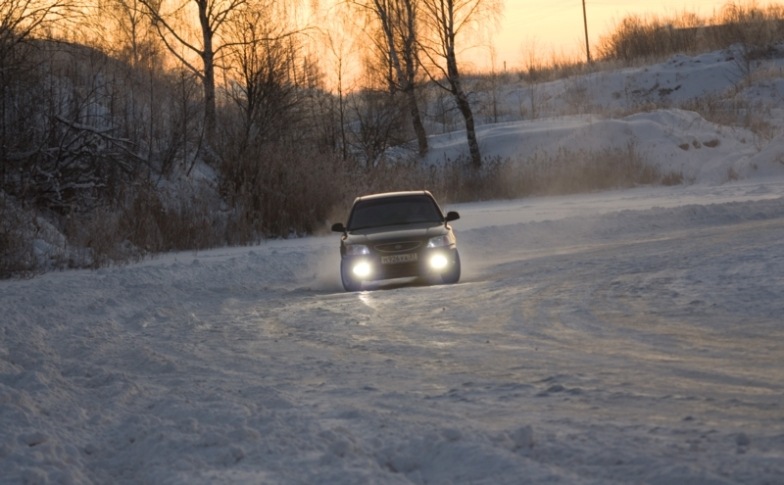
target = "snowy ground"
x: 631, y: 336
x: 625, y: 337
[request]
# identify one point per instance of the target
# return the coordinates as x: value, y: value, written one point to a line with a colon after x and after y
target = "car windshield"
x: 394, y: 211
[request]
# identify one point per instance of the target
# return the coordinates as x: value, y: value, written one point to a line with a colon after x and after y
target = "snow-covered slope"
x: 659, y: 129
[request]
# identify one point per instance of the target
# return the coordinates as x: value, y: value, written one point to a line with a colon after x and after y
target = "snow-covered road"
x: 629, y: 337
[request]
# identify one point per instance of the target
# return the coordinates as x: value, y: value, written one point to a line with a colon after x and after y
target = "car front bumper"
x: 375, y: 267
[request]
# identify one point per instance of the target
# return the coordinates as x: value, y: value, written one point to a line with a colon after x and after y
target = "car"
x: 397, y: 235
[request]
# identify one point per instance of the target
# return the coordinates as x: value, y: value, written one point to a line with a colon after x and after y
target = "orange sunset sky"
x: 528, y: 31
x: 556, y: 26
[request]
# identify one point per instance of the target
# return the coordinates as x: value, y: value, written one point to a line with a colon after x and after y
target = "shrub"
x: 564, y: 172
x: 276, y: 191
x: 16, y: 250
x: 753, y: 27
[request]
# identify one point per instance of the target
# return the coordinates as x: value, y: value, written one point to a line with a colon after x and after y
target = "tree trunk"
x: 473, y: 145
x: 416, y: 120
x: 208, y: 58
x: 411, y: 64
x: 453, y: 75
x: 400, y: 17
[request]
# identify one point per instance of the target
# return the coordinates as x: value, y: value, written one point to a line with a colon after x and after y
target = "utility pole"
x: 585, y: 24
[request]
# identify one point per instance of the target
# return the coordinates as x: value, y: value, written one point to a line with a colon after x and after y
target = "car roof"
x: 407, y: 193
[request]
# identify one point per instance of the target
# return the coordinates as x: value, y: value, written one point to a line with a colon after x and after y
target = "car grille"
x: 406, y: 270
x: 398, y: 246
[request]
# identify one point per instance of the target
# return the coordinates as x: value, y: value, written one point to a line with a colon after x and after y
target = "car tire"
x: 349, y: 282
x: 453, y: 275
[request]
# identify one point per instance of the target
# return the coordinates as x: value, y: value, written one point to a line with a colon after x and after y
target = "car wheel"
x: 349, y: 282
x: 453, y: 275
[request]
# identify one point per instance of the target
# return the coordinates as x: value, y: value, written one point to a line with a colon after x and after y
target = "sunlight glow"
x: 542, y: 31
x: 528, y: 31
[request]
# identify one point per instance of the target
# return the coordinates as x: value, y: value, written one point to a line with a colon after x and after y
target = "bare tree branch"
x: 445, y: 20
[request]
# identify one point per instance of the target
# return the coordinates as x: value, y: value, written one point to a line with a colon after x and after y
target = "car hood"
x: 379, y: 234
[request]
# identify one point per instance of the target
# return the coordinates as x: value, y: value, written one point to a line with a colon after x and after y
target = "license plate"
x: 400, y: 258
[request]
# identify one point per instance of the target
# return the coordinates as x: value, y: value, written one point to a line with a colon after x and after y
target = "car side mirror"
x: 338, y: 227
x: 452, y: 216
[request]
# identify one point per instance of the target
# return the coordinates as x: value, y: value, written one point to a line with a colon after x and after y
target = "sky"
x: 556, y: 27
x: 527, y: 31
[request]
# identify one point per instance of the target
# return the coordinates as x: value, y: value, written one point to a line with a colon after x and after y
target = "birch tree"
x: 398, y: 22
x: 445, y: 21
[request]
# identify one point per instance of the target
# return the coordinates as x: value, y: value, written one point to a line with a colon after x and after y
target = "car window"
x: 394, y: 211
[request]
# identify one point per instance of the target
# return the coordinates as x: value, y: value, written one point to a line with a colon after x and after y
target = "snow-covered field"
x: 634, y: 336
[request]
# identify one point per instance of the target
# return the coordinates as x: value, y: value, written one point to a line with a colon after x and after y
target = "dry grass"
x: 564, y: 172
x: 750, y: 25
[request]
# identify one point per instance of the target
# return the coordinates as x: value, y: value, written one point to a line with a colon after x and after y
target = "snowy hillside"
x: 643, y: 108
x: 631, y: 336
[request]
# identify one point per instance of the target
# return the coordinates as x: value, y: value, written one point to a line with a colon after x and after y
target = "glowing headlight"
x: 439, y: 261
x: 357, y: 250
x: 362, y: 269
x: 438, y: 242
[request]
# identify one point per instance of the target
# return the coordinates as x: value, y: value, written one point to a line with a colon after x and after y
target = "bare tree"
x: 397, y: 20
x: 445, y: 20
x: 21, y: 23
x: 126, y: 31
x: 338, y: 43
x: 377, y: 118
x: 20, y: 20
x: 174, y: 30
x: 260, y: 67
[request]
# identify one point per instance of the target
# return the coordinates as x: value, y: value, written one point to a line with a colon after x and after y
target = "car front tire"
x: 452, y: 276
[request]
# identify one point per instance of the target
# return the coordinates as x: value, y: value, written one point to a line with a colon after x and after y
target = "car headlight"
x: 357, y: 250
x: 362, y: 270
x: 438, y: 242
x: 439, y: 261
